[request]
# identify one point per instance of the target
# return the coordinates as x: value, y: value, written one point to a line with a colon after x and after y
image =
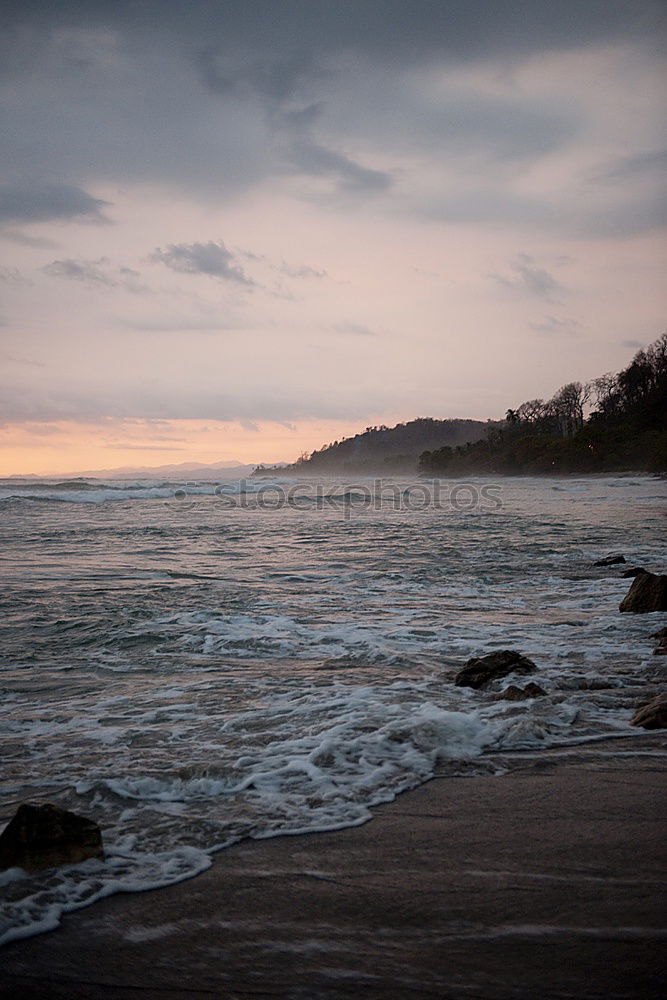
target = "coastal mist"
x: 192, y: 664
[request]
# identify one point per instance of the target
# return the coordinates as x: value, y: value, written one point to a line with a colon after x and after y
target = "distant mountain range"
x: 385, y: 450
x: 180, y: 472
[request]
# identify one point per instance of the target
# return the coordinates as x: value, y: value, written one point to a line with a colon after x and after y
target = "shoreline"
x: 544, y: 881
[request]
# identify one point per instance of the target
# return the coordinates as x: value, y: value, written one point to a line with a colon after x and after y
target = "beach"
x: 547, y: 881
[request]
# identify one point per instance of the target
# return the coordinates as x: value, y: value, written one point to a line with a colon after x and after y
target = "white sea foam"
x: 100, y: 491
x: 76, y: 886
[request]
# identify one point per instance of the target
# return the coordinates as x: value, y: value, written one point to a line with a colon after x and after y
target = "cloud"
x: 275, y: 79
x: 12, y: 276
x: 273, y: 84
x: 485, y: 200
x: 450, y: 111
x: 392, y: 29
x: 653, y: 162
x: 22, y: 239
x: 231, y: 100
x: 212, y: 259
x: 634, y: 214
x: 289, y: 270
x: 87, y: 271
x: 15, y: 360
x: 183, y: 324
x: 634, y: 345
x: 536, y: 280
x: 296, y: 141
x: 42, y: 202
x: 99, y: 273
x: 302, y: 272
x: 528, y: 278
x: 312, y: 158
x: 557, y: 326
x: 354, y: 328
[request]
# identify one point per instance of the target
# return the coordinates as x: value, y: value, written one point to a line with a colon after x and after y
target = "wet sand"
x: 549, y: 881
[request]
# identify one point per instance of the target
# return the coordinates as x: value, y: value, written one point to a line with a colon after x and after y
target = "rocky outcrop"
x: 652, y: 715
x: 480, y: 670
x: 514, y: 693
x: 45, y: 836
x: 647, y: 593
x: 635, y: 571
x: 610, y: 561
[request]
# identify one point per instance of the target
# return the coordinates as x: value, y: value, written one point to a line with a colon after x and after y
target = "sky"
x: 239, y: 230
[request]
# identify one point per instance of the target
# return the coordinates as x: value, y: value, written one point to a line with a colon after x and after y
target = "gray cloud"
x: 43, y: 202
x: 99, y: 273
x: 275, y: 79
x: 289, y: 270
x: 212, y: 259
x: 358, y: 329
x: 392, y: 29
x: 309, y: 157
x: 16, y: 360
x: 183, y: 324
x: 634, y: 345
x: 12, y: 276
x: 653, y: 162
x: 633, y: 215
x: 22, y: 239
x: 575, y: 212
x: 87, y: 271
x: 274, y: 84
x: 466, y: 120
x: 557, y: 326
x: 230, y: 98
x: 528, y: 278
x: 302, y: 272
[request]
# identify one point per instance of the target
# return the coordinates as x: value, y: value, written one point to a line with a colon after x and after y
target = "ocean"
x: 190, y: 664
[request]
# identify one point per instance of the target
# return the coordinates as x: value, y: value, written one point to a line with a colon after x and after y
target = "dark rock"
x: 610, y: 561
x: 45, y: 836
x: 652, y: 715
x: 635, y: 571
x: 660, y: 634
x: 647, y: 593
x: 514, y: 693
x: 479, y: 670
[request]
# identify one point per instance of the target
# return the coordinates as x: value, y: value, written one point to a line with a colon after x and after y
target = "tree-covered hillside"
x: 384, y: 450
x: 626, y: 429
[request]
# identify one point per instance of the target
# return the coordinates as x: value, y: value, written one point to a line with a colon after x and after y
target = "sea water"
x: 192, y: 664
